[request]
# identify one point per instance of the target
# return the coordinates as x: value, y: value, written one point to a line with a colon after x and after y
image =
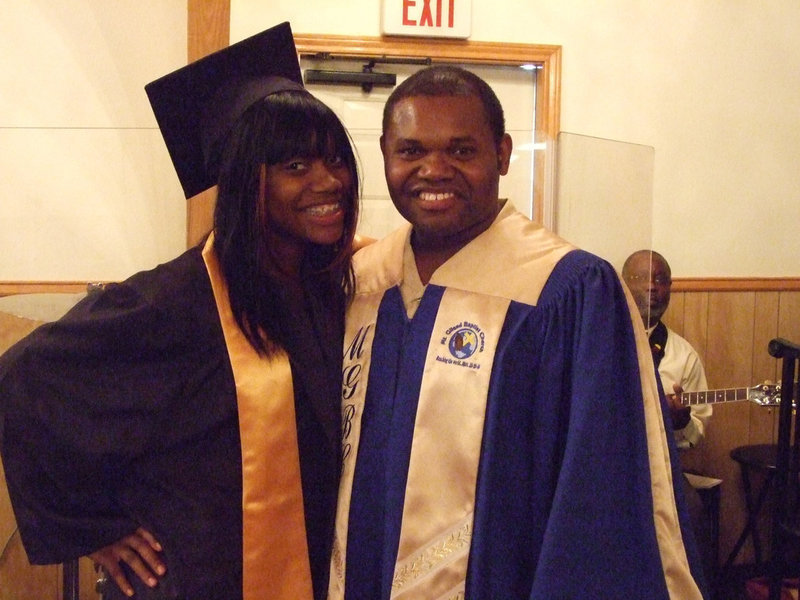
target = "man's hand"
x: 680, y: 414
x: 140, y: 551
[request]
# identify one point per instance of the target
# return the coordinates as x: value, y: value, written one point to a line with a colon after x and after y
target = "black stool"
x: 759, y: 457
x: 784, y: 556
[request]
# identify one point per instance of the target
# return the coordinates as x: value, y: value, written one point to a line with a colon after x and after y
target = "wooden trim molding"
x: 546, y: 58
x: 208, y: 30
x: 208, y: 27
x: 736, y: 284
x: 8, y: 288
x: 685, y: 284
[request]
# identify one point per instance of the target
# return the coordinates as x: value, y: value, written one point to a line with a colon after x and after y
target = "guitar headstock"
x: 765, y: 394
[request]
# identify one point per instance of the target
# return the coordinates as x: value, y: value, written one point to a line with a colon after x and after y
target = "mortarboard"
x: 197, y: 105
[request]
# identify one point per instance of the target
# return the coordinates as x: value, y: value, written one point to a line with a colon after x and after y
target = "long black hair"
x: 279, y: 127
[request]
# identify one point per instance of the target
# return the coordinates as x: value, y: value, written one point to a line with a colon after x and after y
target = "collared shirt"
x: 681, y: 364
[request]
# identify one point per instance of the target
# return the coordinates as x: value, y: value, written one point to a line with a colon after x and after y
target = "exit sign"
x: 429, y: 18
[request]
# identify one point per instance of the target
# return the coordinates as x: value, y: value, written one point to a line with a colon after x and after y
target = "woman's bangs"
x: 309, y: 132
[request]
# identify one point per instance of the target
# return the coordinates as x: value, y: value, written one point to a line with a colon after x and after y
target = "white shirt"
x: 681, y: 364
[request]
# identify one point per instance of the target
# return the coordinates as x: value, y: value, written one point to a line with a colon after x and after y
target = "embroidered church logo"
x: 462, y: 341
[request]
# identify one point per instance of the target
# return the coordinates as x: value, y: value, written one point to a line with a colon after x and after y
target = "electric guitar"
x: 764, y: 394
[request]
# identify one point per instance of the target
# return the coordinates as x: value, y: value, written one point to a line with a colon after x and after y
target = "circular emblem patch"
x: 463, y: 343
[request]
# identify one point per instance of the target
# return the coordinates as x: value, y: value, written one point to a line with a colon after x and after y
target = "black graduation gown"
x: 124, y: 414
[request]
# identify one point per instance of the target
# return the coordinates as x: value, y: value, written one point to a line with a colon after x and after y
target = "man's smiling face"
x: 443, y: 167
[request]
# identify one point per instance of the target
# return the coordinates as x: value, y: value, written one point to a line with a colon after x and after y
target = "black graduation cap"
x: 197, y: 105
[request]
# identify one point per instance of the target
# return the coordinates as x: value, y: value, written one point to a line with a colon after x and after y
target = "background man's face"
x: 650, y: 283
x: 443, y: 167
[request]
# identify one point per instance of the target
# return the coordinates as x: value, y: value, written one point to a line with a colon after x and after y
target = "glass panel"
x: 604, y: 195
x: 604, y: 204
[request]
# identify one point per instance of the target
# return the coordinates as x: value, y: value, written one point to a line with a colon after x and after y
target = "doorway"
x: 361, y: 112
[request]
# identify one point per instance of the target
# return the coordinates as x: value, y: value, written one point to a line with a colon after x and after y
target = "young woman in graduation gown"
x: 183, y: 427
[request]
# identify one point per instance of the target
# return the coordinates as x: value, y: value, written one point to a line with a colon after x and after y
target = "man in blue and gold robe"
x: 503, y: 428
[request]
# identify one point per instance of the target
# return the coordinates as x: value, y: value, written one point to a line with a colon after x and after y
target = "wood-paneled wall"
x: 730, y: 326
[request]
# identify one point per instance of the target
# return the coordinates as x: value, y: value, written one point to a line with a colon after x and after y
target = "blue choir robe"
x: 508, y: 440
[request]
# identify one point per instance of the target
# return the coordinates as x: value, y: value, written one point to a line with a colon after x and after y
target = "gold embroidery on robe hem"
x: 429, y: 559
x: 337, y: 563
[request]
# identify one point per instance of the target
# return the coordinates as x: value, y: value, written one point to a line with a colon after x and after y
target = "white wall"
x: 89, y: 192
x: 712, y: 85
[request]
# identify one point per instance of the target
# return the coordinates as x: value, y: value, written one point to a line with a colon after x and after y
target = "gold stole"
x: 275, y: 562
x: 358, y: 336
x: 440, y: 494
x: 439, y: 504
x: 675, y: 563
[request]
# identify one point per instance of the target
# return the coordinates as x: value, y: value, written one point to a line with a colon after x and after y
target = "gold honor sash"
x: 275, y: 562
x: 437, y: 515
x: 359, y: 334
x: 440, y: 494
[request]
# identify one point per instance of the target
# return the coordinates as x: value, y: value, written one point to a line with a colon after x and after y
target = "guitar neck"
x: 715, y: 396
x: 764, y: 394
